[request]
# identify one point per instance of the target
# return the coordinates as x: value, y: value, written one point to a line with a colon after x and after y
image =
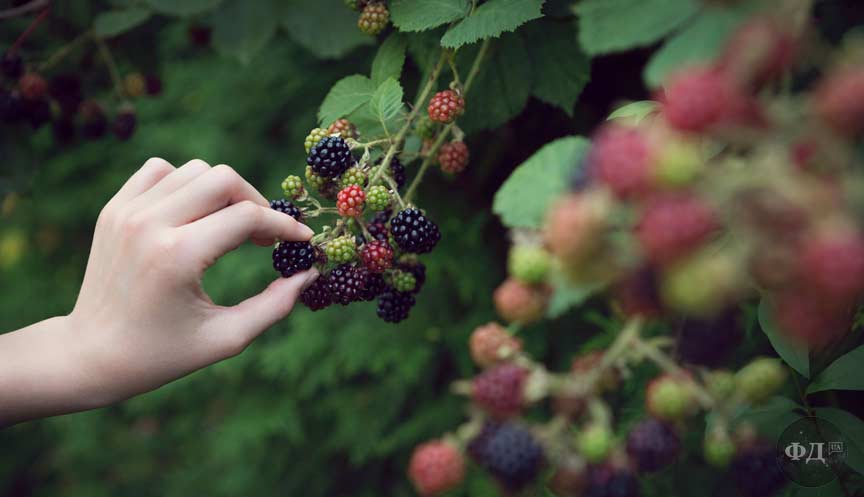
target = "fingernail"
x: 311, y: 276
x: 307, y: 231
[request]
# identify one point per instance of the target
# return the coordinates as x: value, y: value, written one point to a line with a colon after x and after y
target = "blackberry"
x: 500, y: 390
x: 286, y: 207
x: 445, y: 106
x: 65, y: 89
x: 374, y: 287
x: 419, y: 272
x: 403, y: 281
x: 32, y: 86
x: 330, y: 157
x: 38, y: 112
x: 756, y: 473
x: 609, y: 481
x: 397, y: 170
x: 343, y: 128
x: 353, y: 176
x: 653, y: 445
x: 378, y: 198
x: 292, y: 186
x: 95, y: 124
x: 12, y: 107
x: 12, y: 65
x: 378, y: 231
x: 394, y: 306
x: 153, y: 84
x: 341, y: 249
x: 292, y: 257
x: 376, y: 256
x: 374, y: 18
x: 414, y: 232
x: 346, y: 283
x: 313, y: 138
x: 510, y: 454
x: 124, y: 124
x: 709, y: 342
x: 317, y: 296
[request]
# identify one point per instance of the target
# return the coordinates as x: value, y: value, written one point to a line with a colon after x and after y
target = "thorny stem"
x: 112, y: 67
x: 430, y: 158
x: 63, y: 51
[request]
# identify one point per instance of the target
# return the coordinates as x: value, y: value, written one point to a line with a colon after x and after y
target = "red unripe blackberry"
x: 124, y: 124
x: 489, y: 343
x: 445, y: 106
x: 286, y: 207
x: 638, y: 293
x: 317, y: 295
x: 500, y: 390
x: 839, y: 100
x: 453, y: 157
x: 621, y: 157
x: 394, y: 306
x: 436, y: 467
x: 759, y: 51
x: 671, y: 226
x: 806, y: 320
x: 290, y: 258
x: 350, y: 201
x: 376, y: 256
x: 653, y: 445
x: 32, y: 86
x: 832, y: 266
x: 346, y: 283
x: 343, y: 128
x: 517, y: 302
x: 699, y: 99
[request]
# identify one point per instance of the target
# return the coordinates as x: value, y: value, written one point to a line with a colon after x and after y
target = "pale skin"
x: 142, y: 318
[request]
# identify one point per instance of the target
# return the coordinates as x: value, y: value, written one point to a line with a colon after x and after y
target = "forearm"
x: 42, y: 373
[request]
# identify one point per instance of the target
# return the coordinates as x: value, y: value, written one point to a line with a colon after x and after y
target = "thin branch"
x: 24, y: 9
x: 112, y: 67
x: 63, y: 51
x: 32, y: 27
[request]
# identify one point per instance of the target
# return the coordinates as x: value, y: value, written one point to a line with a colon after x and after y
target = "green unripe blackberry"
x: 374, y: 18
x: 313, y: 138
x: 402, y: 281
x: 679, y: 163
x: 293, y: 187
x: 341, y: 250
x: 720, y: 384
x: 353, y: 176
x: 760, y: 379
x: 378, y: 198
x: 529, y: 263
x: 719, y: 449
x: 595, y: 443
x: 315, y: 181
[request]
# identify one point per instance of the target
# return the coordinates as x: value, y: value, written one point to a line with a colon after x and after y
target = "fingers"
x: 172, y: 182
x: 145, y: 178
x: 236, y: 327
x: 207, y: 193
x: 225, y: 230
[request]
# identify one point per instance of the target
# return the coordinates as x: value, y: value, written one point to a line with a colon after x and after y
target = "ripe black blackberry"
x: 414, y: 232
x: 12, y: 66
x: 330, y: 157
x: 710, y: 342
x: 65, y: 89
x: 12, y: 108
x: 346, y: 283
x: 124, y: 124
x: 418, y: 270
x: 653, y: 445
x: 286, y: 207
x: 609, y: 481
x: 290, y: 258
x: 510, y: 454
x: 756, y: 473
x: 394, y: 306
x: 95, y: 124
x: 374, y: 287
x: 317, y: 296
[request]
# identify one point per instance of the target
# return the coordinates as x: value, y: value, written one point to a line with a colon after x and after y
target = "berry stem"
x: 108, y: 59
x: 669, y: 366
x: 32, y: 27
x: 64, y: 51
x: 24, y: 9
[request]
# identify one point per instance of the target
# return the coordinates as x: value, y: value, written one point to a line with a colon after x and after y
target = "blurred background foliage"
x: 323, y: 404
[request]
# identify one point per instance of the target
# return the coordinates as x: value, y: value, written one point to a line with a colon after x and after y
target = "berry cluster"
x: 371, y: 251
x: 374, y: 16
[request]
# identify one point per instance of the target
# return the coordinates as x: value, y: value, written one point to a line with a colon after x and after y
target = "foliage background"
x: 329, y: 403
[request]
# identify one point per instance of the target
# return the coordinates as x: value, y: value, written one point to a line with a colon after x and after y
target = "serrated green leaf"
x: 843, y: 374
x: 852, y: 429
x: 614, y: 25
x: 561, y: 69
x: 634, y: 111
x: 699, y: 41
x: 324, y: 27
x: 115, y: 22
x: 502, y: 87
x: 795, y: 356
x: 491, y: 19
x: 389, y: 59
x: 420, y: 15
x: 242, y: 28
x: 386, y: 102
x: 183, y: 8
x: 541, y: 178
x: 346, y: 96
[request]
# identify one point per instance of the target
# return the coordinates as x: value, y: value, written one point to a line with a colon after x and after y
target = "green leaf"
x: 420, y: 15
x: 634, y: 111
x: 115, y: 22
x: 491, y: 19
x: 795, y: 356
x: 614, y: 25
x: 772, y: 417
x: 348, y: 94
x: 566, y: 295
x: 386, y: 102
x: 843, y: 374
x: 389, y: 59
x: 242, y: 28
x: 852, y: 429
x: 324, y: 27
x: 502, y: 87
x: 541, y: 178
x: 699, y: 41
x: 562, y: 69
x: 182, y: 8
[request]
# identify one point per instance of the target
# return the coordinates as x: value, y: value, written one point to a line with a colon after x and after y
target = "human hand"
x: 142, y: 318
